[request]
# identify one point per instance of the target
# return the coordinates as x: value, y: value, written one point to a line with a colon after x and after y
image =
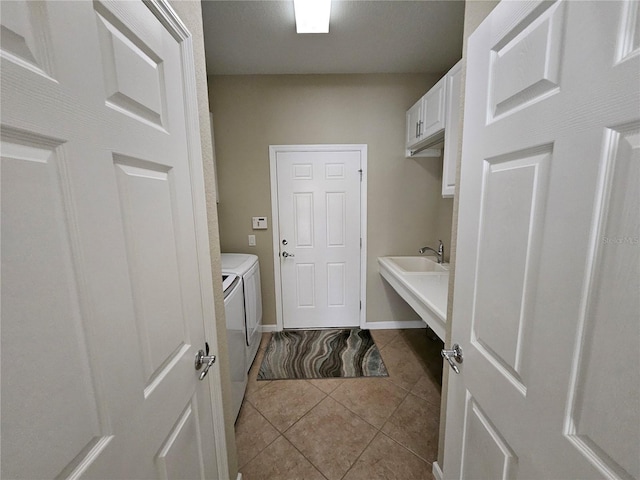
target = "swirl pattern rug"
x: 296, y: 354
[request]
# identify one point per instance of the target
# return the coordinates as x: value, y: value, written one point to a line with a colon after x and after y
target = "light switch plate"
x: 259, y: 223
x: 252, y: 240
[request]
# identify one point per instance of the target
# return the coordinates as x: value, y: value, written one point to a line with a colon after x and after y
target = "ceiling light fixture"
x: 312, y: 16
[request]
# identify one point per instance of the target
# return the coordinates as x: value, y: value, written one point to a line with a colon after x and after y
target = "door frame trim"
x: 176, y: 27
x: 273, y: 151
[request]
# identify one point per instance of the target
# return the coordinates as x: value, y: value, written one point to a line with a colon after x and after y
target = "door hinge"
x: 360, y: 304
x: 361, y: 242
x: 360, y: 174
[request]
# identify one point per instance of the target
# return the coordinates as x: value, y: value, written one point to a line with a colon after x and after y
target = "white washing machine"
x: 236, y: 338
x: 246, y: 266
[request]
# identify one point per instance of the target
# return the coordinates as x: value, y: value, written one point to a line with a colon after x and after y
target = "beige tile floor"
x: 362, y: 428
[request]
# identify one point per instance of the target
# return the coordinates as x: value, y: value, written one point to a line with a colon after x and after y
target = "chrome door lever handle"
x: 454, y: 354
x: 287, y: 254
x: 201, y: 358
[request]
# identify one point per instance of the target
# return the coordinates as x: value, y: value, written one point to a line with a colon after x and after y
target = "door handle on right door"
x: 205, y: 359
x: 287, y: 254
x: 454, y: 354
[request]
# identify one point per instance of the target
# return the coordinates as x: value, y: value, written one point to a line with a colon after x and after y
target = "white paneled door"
x: 105, y: 290
x: 546, y: 305
x: 319, y: 231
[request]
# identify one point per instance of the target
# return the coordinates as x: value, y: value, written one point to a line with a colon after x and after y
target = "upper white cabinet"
x: 452, y: 130
x: 413, y: 123
x: 434, y: 117
x: 433, y: 113
x: 426, y: 118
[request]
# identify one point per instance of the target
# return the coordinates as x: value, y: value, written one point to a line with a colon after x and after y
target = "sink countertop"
x: 426, y: 292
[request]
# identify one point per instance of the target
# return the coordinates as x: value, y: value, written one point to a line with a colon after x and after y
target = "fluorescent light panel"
x: 312, y: 16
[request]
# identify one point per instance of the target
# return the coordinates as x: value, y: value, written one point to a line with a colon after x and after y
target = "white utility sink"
x: 417, y: 265
x: 423, y: 283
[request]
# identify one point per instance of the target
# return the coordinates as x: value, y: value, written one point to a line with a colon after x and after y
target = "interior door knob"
x: 454, y: 354
x: 201, y: 359
x: 287, y: 254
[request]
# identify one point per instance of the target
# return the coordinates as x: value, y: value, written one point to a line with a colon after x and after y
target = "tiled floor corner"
x: 331, y: 437
x: 362, y: 428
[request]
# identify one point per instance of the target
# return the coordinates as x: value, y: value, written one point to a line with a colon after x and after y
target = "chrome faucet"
x: 439, y: 253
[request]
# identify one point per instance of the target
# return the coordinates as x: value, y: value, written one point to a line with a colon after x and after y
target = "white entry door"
x: 318, y: 240
x: 546, y: 305
x: 105, y: 288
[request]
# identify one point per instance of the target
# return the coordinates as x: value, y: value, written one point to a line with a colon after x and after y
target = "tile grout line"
x: 344, y: 406
x: 303, y: 415
x: 361, y: 453
x: 389, y: 341
x: 308, y: 411
x: 258, y: 454
x: 292, y: 425
x: 396, y: 409
x: 282, y: 434
x: 407, y: 449
x: 397, y: 338
x: 364, y: 419
x: 439, y: 405
x: 305, y: 457
x: 404, y: 446
x: 266, y: 420
x: 425, y: 401
x: 378, y: 430
x: 331, y: 378
x: 290, y: 443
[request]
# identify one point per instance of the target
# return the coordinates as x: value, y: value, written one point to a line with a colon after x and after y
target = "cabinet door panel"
x: 433, y: 110
x: 452, y: 131
x: 413, y: 119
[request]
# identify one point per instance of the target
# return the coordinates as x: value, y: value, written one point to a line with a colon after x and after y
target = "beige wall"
x: 191, y: 14
x: 405, y: 207
x: 475, y: 12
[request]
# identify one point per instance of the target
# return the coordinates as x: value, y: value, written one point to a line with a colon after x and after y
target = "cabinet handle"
x: 420, y: 128
x: 417, y: 125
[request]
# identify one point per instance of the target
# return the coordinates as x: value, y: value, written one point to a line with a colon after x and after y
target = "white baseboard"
x: 394, y: 325
x: 437, y: 471
x: 371, y: 325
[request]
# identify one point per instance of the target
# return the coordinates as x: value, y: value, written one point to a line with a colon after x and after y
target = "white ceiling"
x: 382, y: 36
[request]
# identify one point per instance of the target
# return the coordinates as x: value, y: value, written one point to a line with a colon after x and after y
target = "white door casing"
x: 106, y: 284
x: 319, y: 210
x: 547, y: 272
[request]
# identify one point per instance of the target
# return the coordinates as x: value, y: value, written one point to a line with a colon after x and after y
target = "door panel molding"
x: 89, y: 239
x: 482, y: 439
x: 547, y: 265
x: 330, y: 172
x: 610, y: 245
x: 174, y: 25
